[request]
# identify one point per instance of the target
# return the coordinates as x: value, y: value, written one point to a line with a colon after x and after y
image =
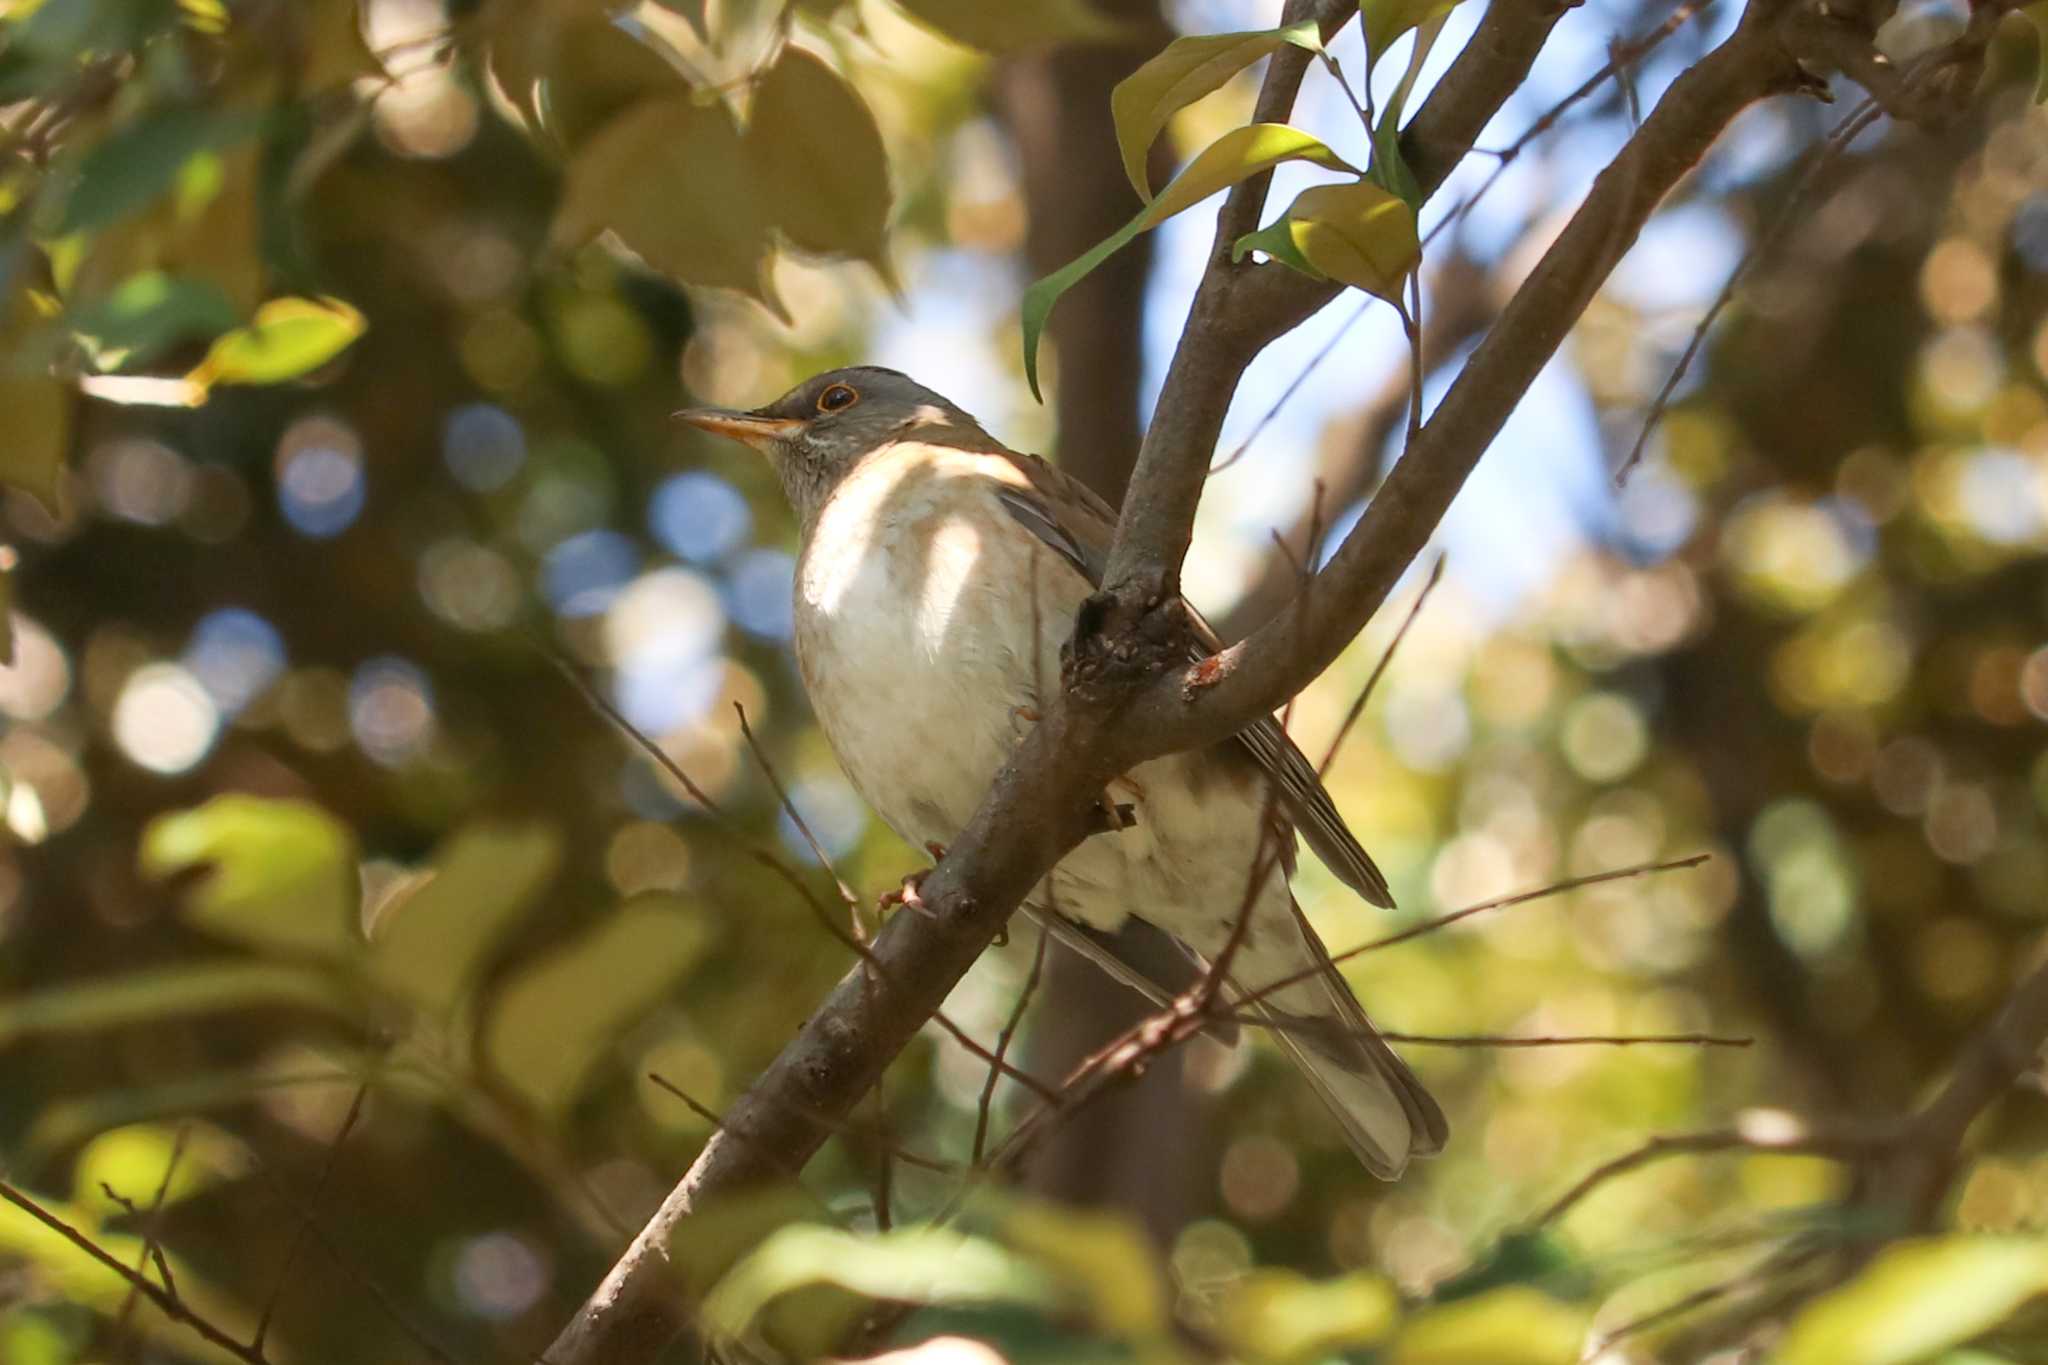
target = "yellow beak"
x: 745, y: 427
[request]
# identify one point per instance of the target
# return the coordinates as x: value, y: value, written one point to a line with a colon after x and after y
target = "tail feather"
x: 1385, y: 1112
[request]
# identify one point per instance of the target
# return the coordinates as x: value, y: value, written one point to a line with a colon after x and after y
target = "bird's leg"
x: 1111, y: 816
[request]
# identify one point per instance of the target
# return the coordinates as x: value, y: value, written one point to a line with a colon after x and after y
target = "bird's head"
x: 816, y: 434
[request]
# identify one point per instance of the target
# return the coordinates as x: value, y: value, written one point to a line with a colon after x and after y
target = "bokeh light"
x: 699, y: 516
x: 236, y: 655
x: 484, y: 446
x: 165, y: 719
x: 320, y: 481
x: 584, y: 574
x: 390, y: 710
x: 759, y: 593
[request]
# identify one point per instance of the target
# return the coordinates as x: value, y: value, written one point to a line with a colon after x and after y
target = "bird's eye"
x: 836, y: 397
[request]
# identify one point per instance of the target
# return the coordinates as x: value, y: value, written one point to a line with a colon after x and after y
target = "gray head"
x: 816, y: 433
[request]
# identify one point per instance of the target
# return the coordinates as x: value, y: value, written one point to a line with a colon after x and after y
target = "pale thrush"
x: 939, y: 575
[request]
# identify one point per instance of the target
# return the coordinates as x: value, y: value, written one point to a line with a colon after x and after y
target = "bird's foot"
x: 908, y: 894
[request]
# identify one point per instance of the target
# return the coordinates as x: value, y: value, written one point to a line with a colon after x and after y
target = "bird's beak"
x: 748, y: 428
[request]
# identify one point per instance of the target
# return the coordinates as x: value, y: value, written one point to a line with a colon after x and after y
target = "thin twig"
x: 1009, y: 1030
x: 150, y: 1249
x: 1436, y: 573
x: 1323, y: 353
x: 291, y: 1256
x: 789, y: 808
x: 169, y: 1304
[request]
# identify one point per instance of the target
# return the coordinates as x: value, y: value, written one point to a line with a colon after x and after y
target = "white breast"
x: 912, y: 648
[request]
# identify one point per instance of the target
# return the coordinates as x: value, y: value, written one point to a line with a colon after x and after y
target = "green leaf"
x: 910, y: 1265
x: 819, y: 159
x: 1915, y: 1299
x: 39, y: 412
x: 284, y: 872
x: 549, y: 1023
x: 2037, y: 14
x: 1277, y: 1315
x: 430, y: 942
x: 1191, y: 67
x: 1386, y: 20
x: 157, y: 994
x: 135, y: 165
x: 672, y: 178
x: 1013, y: 24
x: 1511, y: 1326
x: 1276, y: 240
x: 147, y: 313
x: 1238, y: 155
x: 287, y: 338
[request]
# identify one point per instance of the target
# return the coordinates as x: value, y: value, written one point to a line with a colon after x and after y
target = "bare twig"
x: 1436, y: 573
x: 1009, y: 1030
x: 291, y: 1256
x: 151, y: 1251
x: 168, y: 1303
x: 789, y: 808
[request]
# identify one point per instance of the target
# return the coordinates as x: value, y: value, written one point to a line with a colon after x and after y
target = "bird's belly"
x: 922, y: 671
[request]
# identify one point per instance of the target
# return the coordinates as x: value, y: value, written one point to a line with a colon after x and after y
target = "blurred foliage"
x: 338, y: 347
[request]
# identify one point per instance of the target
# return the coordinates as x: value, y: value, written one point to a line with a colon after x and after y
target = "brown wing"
x: 1069, y: 517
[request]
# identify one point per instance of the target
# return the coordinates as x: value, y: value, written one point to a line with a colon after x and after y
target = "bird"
x: 938, y: 574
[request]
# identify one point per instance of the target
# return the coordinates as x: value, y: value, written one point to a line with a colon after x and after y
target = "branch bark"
x: 1125, y: 701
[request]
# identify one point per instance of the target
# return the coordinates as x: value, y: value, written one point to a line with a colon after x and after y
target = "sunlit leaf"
x: 146, y: 314
x: 1386, y: 20
x: 1003, y: 27
x: 65, y: 1123
x: 133, y: 1161
x: 550, y: 1022
x: 1915, y: 1299
x: 1358, y: 234
x: 1189, y: 68
x: 819, y: 156
x: 286, y: 339
x: 283, y: 873
x: 1277, y: 1315
x: 134, y: 166
x: 1511, y: 1326
x: 1101, y: 1259
x: 672, y: 178
x: 1237, y: 155
x: 912, y: 1265
x: 157, y: 994
x: 431, y: 941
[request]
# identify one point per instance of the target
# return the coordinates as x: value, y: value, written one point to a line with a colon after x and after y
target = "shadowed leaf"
x: 819, y: 156
x: 157, y: 994
x: 550, y: 1022
x: 1002, y: 27
x: 672, y: 178
x: 1358, y: 234
x: 429, y: 942
x: 1188, y: 69
x: 134, y: 166
x: 148, y: 313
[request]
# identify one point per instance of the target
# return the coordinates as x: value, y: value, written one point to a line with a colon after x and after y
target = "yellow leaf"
x: 1188, y: 69
x: 1916, y: 1299
x: 819, y: 158
x: 1509, y: 1326
x: 287, y: 338
x: 1358, y: 234
x: 1005, y: 25
x: 38, y: 409
x: 1386, y: 20
x: 671, y: 177
x: 1277, y: 1315
x: 282, y: 873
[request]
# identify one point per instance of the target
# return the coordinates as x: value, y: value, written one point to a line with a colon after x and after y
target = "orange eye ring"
x: 837, y: 396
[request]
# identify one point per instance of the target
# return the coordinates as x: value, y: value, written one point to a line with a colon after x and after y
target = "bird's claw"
x: 908, y: 894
